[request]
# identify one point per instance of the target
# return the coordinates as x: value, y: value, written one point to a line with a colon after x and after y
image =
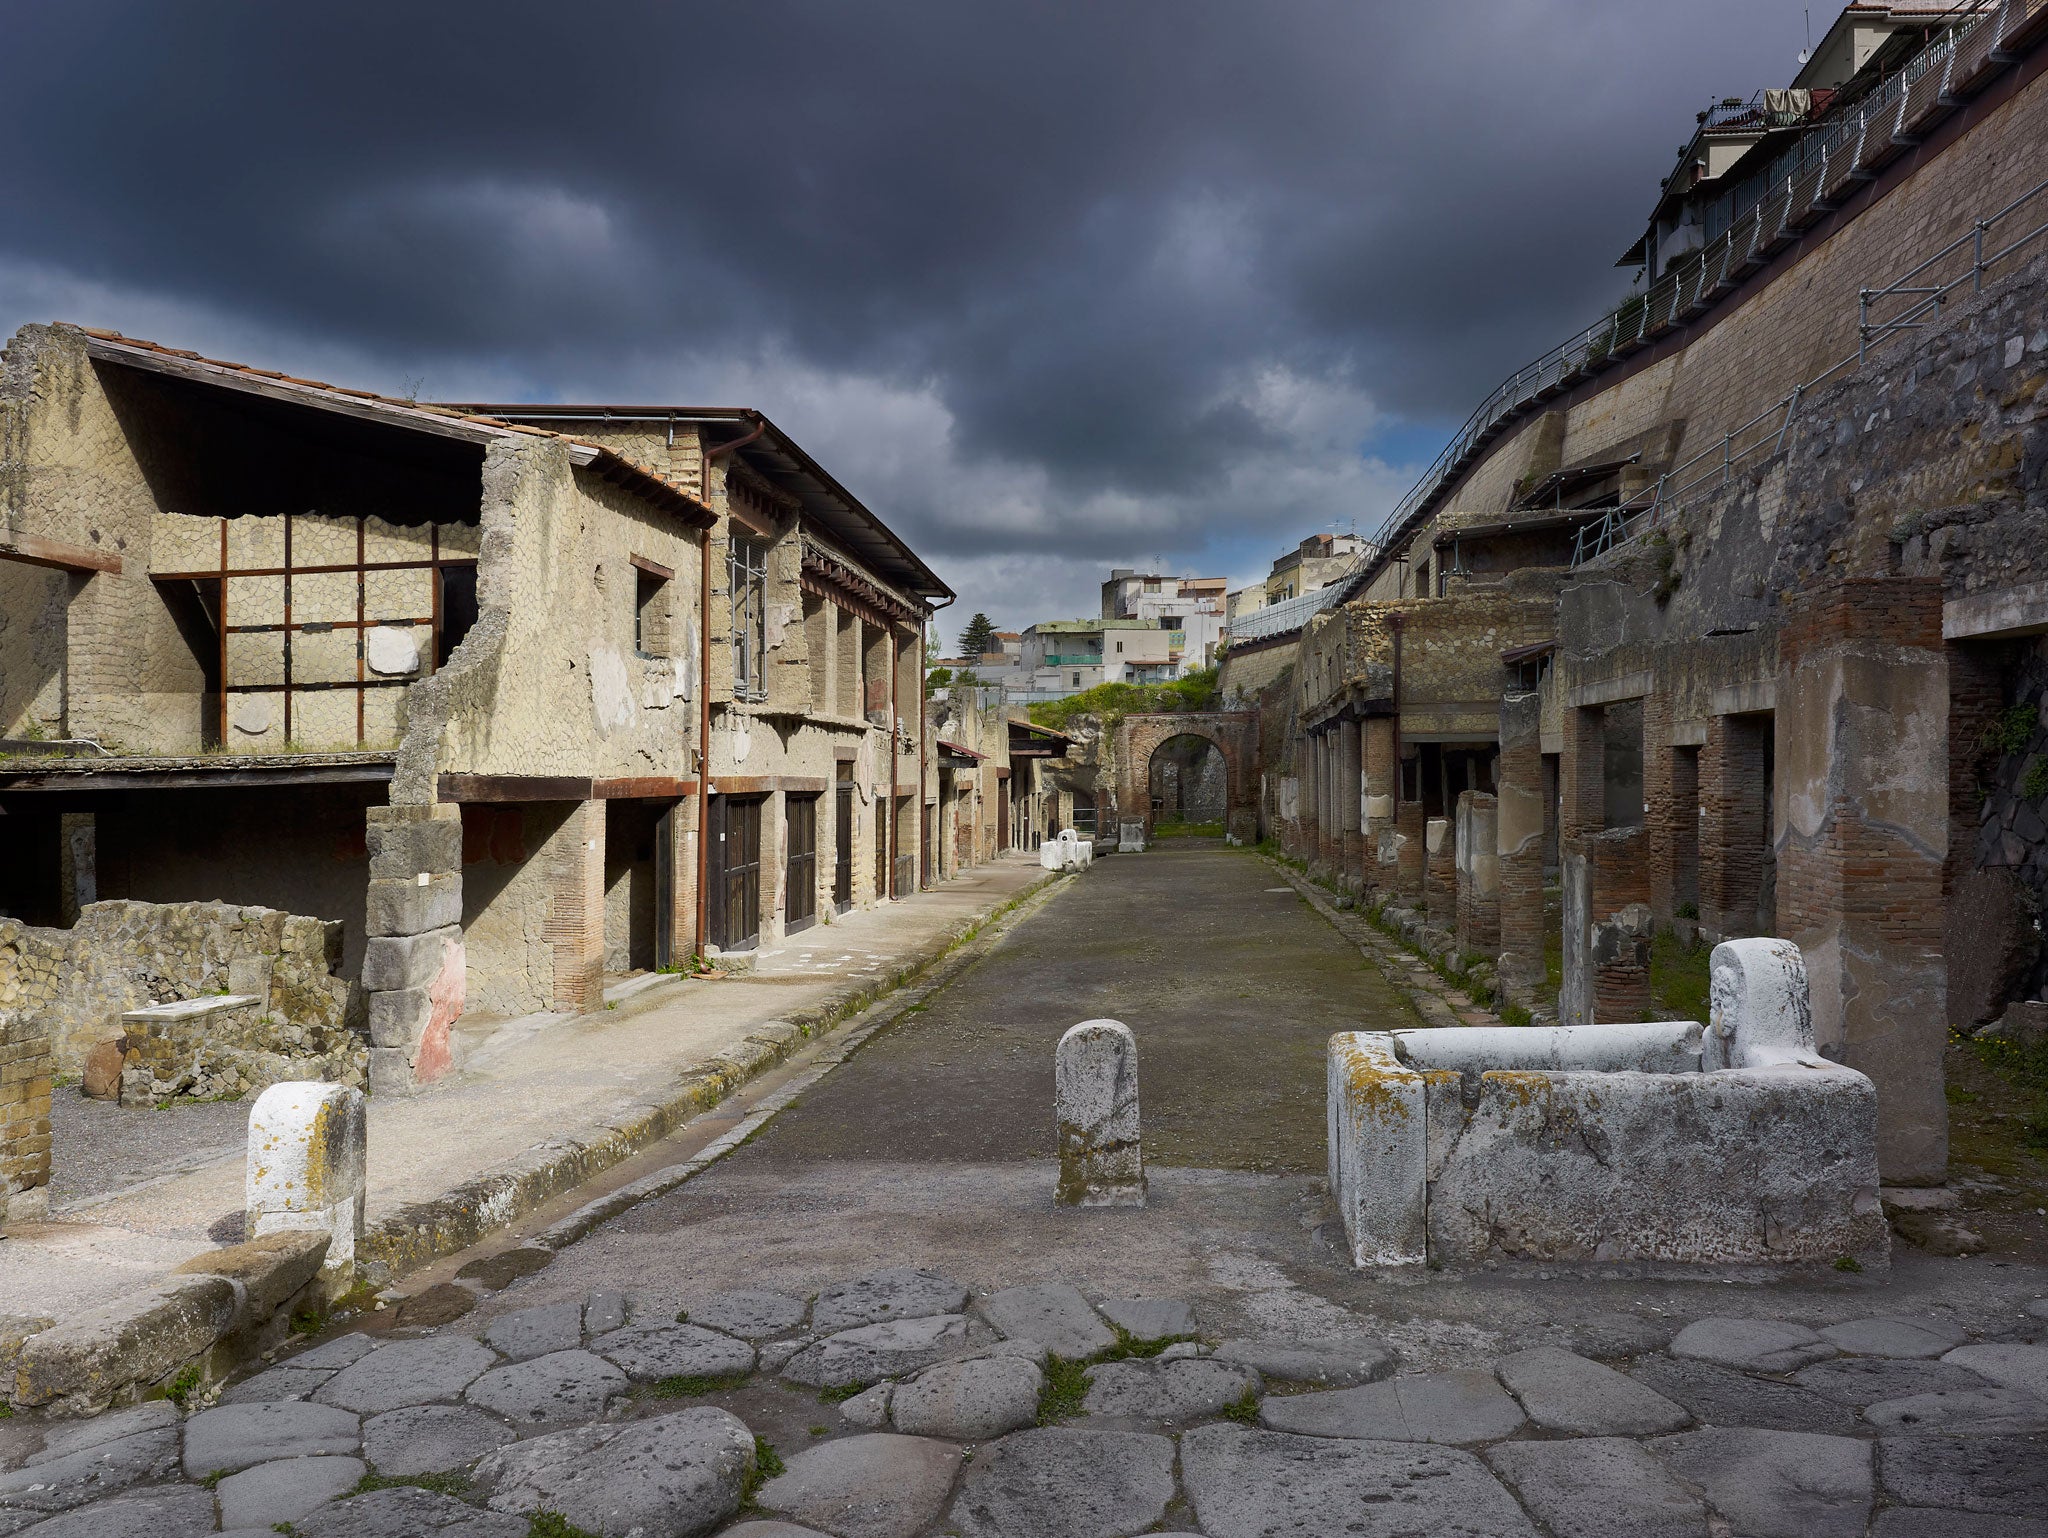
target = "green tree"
x: 978, y: 637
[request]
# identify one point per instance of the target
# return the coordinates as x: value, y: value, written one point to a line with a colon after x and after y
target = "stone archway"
x: 1234, y: 733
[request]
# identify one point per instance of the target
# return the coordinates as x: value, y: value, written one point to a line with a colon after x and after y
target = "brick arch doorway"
x: 1232, y: 732
x: 1188, y: 782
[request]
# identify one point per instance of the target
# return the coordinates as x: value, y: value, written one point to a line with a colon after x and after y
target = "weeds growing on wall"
x: 1110, y: 703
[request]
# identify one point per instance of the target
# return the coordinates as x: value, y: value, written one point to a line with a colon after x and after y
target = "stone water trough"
x: 1736, y: 1146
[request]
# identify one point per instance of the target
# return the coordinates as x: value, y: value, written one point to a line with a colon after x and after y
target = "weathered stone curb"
x: 426, y: 1231
x: 212, y: 1312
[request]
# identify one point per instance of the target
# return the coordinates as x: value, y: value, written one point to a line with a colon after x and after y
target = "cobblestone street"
x: 867, y: 1319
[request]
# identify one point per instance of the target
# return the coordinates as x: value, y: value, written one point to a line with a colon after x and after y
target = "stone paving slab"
x: 950, y: 1446
x: 1598, y: 1487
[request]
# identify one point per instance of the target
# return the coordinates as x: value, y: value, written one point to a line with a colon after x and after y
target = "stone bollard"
x: 1095, y: 1100
x: 307, y: 1148
x: 1049, y: 855
x: 1130, y: 838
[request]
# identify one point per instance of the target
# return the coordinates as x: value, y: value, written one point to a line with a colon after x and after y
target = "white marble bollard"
x: 307, y: 1152
x: 1130, y: 838
x: 1095, y: 1100
x: 1049, y: 855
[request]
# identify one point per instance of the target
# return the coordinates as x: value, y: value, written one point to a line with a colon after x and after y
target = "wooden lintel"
x: 515, y: 787
x: 33, y: 550
x: 646, y: 787
x: 283, y: 775
x: 763, y: 784
x: 653, y: 568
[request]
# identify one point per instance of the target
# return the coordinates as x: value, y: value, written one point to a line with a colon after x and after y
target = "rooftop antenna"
x: 1807, y: 52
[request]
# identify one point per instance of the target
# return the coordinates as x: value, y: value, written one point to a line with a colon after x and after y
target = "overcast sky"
x: 1053, y: 288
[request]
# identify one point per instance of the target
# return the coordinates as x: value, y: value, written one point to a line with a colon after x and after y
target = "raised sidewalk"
x: 539, y: 1105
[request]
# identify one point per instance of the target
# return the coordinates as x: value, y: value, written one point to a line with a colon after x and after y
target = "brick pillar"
x: 26, y: 1067
x: 1582, y: 774
x: 1440, y: 871
x: 413, y: 961
x: 1412, y: 858
x: 1663, y: 809
x: 1377, y: 854
x: 1307, y: 790
x: 1519, y: 825
x: 575, y: 923
x: 1734, y: 825
x: 1618, y: 943
x: 1862, y: 787
x: 1478, y: 866
x: 1350, y: 797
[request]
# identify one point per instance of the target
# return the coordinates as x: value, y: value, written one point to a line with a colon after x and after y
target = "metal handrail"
x: 1686, y: 286
x: 1770, y: 425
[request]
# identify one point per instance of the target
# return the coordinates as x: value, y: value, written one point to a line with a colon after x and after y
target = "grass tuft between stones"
x: 552, y: 1524
x: 456, y: 1485
x: 1128, y: 1346
x: 839, y: 1393
x: 694, y: 1385
x: 1244, y: 1409
x: 767, y: 1465
x: 1066, y: 1388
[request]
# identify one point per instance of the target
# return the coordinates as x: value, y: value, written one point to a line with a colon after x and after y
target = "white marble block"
x: 307, y: 1151
x: 1095, y: 1100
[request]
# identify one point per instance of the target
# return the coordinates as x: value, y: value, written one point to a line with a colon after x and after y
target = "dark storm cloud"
x: 1120, y: 278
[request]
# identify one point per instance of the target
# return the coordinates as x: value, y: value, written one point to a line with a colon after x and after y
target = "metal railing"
x: 1921, y: 290
x: 1800, y: 183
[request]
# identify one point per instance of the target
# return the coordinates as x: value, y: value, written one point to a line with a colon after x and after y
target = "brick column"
x: 1582, y: 774
x: 1377, y: 735
x: 1734, y: 825
x: 1440, y: 870
x: 1307, y: 790
x: 1618, y: 944
x: 1478, y: 864
x: 575, y: 923
x: 1519, y: 825
x: 413, y: 961
x: 1350, y: 797
x: 1413, y: 857
x: 1663, y: 810
x: 1862, y: 787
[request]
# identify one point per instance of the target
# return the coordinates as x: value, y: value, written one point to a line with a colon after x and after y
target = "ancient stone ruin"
x: 308, y: 1149
x: 1095, y: 1098
x: 156, y: 1001
x: 1738, y: 1146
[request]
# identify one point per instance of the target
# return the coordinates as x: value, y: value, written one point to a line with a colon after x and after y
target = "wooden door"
x: 800, y: 873
x: 842, y: 841
x: 736, y: 871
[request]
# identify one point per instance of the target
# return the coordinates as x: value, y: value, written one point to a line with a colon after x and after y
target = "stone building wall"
x: 73, y: 985
x: 1785, y: 325
x: 25, y: 1088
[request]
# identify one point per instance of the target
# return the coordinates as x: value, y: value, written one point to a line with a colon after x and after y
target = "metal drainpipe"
x: 703, y: 739
x: 704, y: 691
x: 938, y: 802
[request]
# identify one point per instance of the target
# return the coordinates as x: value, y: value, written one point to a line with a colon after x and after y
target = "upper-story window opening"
x: 650, y: 608
x: 746, y: 573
